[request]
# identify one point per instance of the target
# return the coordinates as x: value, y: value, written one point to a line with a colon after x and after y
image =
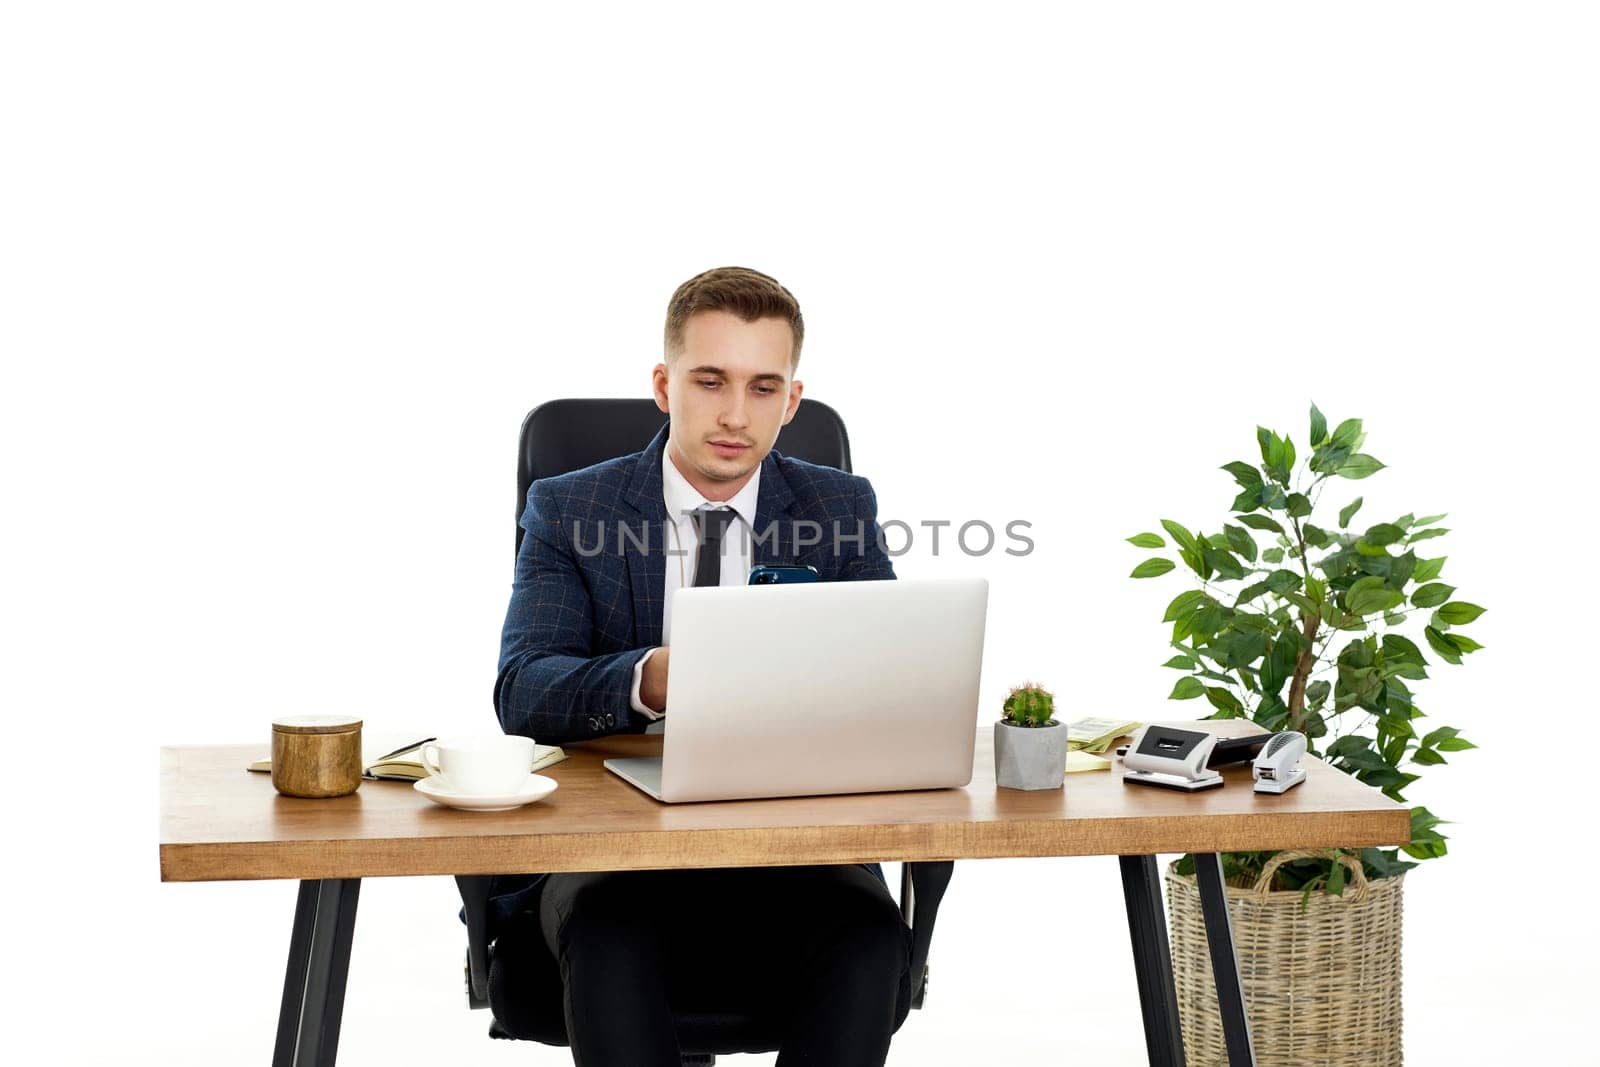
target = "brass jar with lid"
x: 316, y: 755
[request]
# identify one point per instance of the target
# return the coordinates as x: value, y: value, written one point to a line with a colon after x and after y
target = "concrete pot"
x: 1030, y: 757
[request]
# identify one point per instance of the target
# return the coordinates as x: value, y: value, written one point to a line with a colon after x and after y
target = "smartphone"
x: 782, y: 574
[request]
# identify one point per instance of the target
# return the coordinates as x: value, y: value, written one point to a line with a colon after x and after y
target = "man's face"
x: 729, y: 392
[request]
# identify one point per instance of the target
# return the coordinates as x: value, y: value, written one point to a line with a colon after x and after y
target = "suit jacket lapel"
x: 645, y: 551
x: 774, y: 531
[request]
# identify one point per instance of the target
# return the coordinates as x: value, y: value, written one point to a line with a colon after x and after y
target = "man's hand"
x: 653, y: 683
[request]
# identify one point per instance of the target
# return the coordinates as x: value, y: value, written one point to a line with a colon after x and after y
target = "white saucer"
x: 537, y: 787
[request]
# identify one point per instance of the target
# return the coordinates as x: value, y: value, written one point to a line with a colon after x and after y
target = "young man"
x: 586, y: 652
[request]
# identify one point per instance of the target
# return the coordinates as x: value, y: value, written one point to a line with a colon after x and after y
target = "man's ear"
x: 796, y: 387
x: 658, y: 385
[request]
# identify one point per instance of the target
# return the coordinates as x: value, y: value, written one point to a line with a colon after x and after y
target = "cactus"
x: 1029, y: 705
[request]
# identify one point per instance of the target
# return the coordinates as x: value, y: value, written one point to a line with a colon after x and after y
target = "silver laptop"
x: 824, y: 687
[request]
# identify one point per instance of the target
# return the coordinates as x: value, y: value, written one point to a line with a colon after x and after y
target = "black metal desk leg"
x: 319, y: 962
x: 1152, y: 960
x: 1224, y: 962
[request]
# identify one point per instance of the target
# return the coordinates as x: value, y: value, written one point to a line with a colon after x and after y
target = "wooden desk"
x: 220, y: 822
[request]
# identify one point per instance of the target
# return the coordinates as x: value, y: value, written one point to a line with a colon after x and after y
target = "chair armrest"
x: 475, y: 905
x: 922, y: 887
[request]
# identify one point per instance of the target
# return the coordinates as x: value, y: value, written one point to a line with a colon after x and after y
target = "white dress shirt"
x: 683, y: 500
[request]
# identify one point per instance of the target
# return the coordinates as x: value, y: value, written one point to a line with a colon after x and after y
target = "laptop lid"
x: 829, y: 687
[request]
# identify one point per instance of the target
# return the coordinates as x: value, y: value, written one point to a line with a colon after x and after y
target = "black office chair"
x: 521, y: 982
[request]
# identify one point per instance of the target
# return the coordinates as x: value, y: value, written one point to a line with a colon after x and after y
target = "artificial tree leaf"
x: 1319, y: 427
x: 1247, y: 500
x: 1385, y: 533
x: 1348, y: 512
x: 1455, y: 744
x: 1426, y: 757
x: 1396, y: 719
x: 1381, y: 777
x: 1183, y: 604
x: 1385, y: 864
x: 1401, y: 570
x: 1224, y: 702
x: 1349, y: 745
x: 1152, y: 568
x: 1432, y: 595
x: 1370, y: 595
x: 1181, y: 535
x: 1359, y: 466
x: 1186, y: 689
x: 1397, y: 699
x: 1326, y: 459
x: 1244, y: 620
x: 1358, y: 685
x: 1317, y: 693
x: 1459, y: 612
x: 1272, y: 555
x: 1299, y: 505
x: 1464, y: 644
x: 1393, y: 792
x: 1359, y: 760
x: 1250, y: 592
x: 1443, y: 733
x: 1279, y: 664
x: 1260, y: 522
x: 1443, y: 644
x: 1282, y: 580
x: 1402, y: 657
x: 1240, y: 541
x: 1429, y: 520
x: 1428, y: 569
x: 1247, y: 476
x: 1147, y: 540
x: 1423, y: 535
x: 1223, y: 562
x: 1234, y: 649
x: 1347, y: 433
x: 1315, y: 535
x: 1271, y: 713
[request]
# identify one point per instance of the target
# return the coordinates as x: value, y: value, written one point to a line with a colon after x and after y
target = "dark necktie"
x: 711, y: 524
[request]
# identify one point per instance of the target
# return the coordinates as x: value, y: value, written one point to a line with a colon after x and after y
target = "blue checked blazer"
x: 584, y: 611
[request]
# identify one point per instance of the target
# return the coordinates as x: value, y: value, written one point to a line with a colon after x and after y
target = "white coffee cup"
x: 491, y: 765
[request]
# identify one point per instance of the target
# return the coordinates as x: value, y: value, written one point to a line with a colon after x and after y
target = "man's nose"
x: 733, y: 415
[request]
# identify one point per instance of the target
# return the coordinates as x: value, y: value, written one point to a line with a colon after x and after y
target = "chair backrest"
x: 567, y: 435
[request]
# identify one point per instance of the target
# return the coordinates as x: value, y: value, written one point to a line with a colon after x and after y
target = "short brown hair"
x: 746, y: 293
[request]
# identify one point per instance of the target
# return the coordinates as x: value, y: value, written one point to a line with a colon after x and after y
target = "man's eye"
x: 709, y: 383
x: 765, y: 390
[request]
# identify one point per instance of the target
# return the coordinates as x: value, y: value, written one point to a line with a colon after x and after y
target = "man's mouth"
x: 729, y: 449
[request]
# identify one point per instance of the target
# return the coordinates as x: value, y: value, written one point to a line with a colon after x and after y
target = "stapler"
x: 1277, y: 769
x: 1171, y: 758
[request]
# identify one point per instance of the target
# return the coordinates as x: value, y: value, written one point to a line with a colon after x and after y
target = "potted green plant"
x: 1298, y: 625
x: 1030, y: 747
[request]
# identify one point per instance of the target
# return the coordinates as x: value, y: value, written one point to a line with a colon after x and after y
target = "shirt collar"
x: 681, y: 497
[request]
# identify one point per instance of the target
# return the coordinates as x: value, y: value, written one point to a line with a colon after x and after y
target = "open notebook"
x: 405, y: 764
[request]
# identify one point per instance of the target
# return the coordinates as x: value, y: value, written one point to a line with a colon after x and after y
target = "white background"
x: 280, y: 280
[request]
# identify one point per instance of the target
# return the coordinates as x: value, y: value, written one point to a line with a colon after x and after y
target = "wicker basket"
x: 1321, y: 987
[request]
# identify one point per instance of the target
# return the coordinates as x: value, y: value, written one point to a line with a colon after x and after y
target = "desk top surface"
x: 219, y: 821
